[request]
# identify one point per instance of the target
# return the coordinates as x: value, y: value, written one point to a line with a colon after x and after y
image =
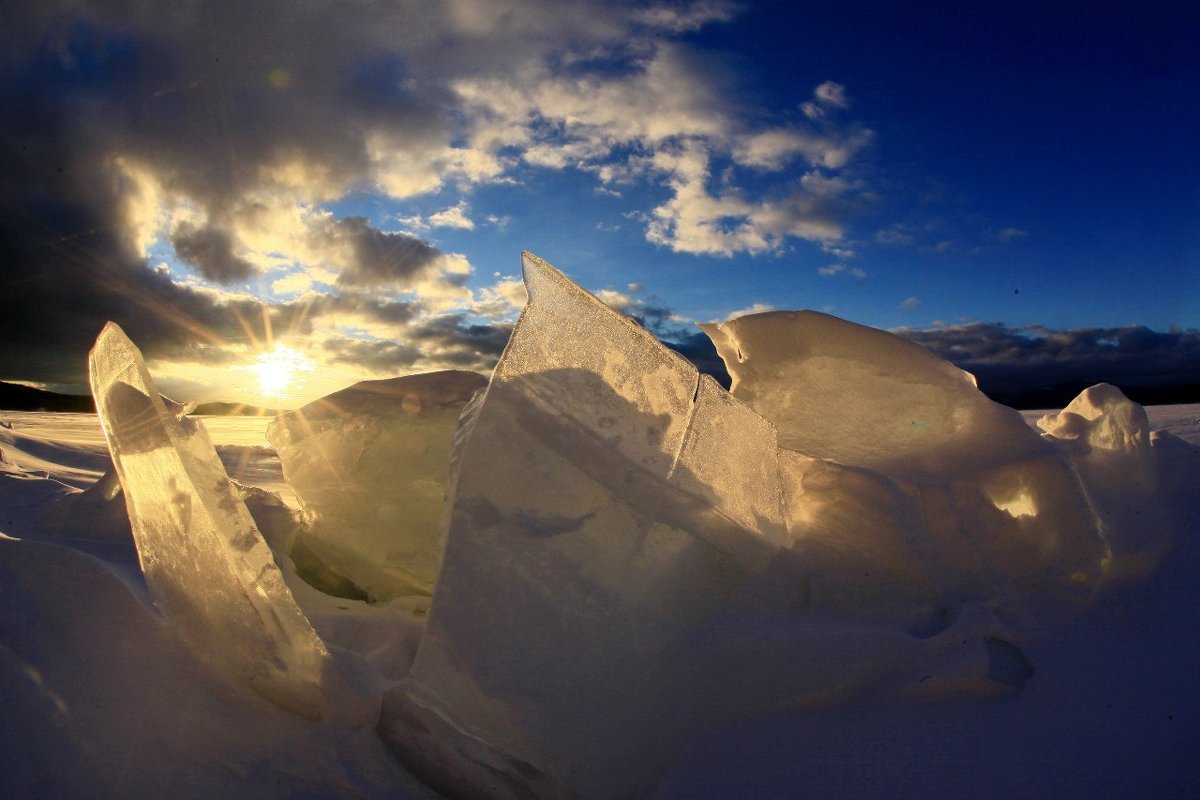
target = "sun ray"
x: 277, y: 370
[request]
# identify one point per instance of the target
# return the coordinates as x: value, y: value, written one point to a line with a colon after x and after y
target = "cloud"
x: 136, y: 137
x: 370, y: 257
x: 831, y: 94
x: 450, y: 341
x: 649, y: 312
x: 696, y: 220
x: 774, y: 149
x: 909, y: 303
x: 379, y: 357
x: 1011, y: 234
x: 683, y: 18
x: 502, y: 300
x: 1007, y: 358
x: 827, y: 97
x: 210, y: 250
x: 839, y: 269
x: 453, y: 217
x: 897, y: 234
x: 757, y: 308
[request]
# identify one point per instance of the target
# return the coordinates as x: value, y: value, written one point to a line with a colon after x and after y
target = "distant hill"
x: 15, y: 397
x: 220, y: 409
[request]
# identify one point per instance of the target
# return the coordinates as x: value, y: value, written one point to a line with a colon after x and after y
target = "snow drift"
x: 554, y: 584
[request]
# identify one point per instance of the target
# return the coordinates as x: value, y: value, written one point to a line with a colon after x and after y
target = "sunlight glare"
x: 277, y: 368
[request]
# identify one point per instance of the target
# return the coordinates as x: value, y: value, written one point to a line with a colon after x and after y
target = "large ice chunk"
x: 370, y: 465
x: 1106, y: 438
x: 1103, y: 418
x: 898, y: 470
x: 205, y: 562
x: 605, y: 501
x: 866, y: 398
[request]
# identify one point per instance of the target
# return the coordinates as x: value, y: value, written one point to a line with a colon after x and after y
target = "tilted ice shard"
x: 866, y: 398
x: 369, y: 464
x: 600, y: 508
x: 206, y: 564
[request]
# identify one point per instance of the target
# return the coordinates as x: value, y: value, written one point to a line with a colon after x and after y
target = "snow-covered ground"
x: 100, y: 701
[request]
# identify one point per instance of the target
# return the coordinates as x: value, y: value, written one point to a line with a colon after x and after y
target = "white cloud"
x: 453, y: 217
x: 831, y: 94
x: 1011, y: 234
x: 617, y: 301
x: 909, y: 303
x: 774, y: 149
x: 502, y: 300
x: 697, y: 221
x: 295, y: 283
x: 826, y: 97
x: 843, y: 253
x: 683, y: 18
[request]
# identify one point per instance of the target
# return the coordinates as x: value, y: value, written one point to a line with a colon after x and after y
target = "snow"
x: 852, y: 576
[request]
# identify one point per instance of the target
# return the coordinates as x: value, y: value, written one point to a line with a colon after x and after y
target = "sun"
x: 277, y: 370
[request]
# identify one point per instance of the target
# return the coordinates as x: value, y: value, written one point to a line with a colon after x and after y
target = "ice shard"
x: 370, y: 465
x: 865, y: 398
x: 601, y: 507
x: 206, y: 564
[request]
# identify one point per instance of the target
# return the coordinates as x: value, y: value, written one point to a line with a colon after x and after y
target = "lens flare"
x: 277, y: 370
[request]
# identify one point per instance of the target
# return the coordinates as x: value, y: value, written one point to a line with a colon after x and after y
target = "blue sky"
x: 342, y: 191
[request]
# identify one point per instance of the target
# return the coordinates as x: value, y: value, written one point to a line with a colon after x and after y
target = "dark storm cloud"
x: 458, y: 343
x: 62, y: 286
x: 381, y: 258
x: 210, y: 250
x: 297, y: 316
x: 1007, y: 359
x: 381, y: 357
x: 208, y: 99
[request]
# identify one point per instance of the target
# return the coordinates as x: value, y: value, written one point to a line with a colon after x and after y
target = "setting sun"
x: 277, y: 368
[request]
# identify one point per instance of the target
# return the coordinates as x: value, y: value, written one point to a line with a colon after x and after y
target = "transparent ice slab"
x: 206, y: 564
x: 605, y: 502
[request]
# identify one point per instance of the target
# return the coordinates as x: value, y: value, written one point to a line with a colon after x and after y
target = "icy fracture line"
x: 206, y: 563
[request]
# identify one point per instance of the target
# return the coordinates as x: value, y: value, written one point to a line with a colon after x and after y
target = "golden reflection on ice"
x: 1017, y: 505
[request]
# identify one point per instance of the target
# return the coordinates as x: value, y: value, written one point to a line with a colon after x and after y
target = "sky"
x: 277, y: 199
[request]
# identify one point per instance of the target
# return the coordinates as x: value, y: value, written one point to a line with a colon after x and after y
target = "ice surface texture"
x: 600, y: 507
x: 206, y: 564
x: 370, y: 464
